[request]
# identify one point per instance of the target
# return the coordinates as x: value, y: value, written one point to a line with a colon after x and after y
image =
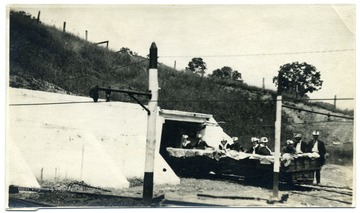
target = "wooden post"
x: 151, y: 127
x: 38, y: 18
x: 55, y: 173
x: 86, y: 35
x: 107, y: 45
x: 335, y: 102
x: 263, y: 84
x: 82, y: 162
x: 175, y: 65
x: 277, y: 139
x: 64, y: 26
x: 41, y: 174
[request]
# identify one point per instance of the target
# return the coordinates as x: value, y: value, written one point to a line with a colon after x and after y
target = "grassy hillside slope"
x: 45, y: 58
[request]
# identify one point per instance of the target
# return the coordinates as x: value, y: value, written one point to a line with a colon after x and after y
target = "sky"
x: 253, y: 39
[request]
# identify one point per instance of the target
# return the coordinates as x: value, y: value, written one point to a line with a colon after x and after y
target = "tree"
x: 226, y: 73
x: 298, y: 78
x: 197, y: 65
x: 127, y: 50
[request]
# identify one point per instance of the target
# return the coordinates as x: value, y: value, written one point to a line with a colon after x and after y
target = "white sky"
x: 187, y: 31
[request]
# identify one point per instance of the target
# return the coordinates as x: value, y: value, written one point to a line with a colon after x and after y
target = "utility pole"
x: 277, y: 139
x: 151, y: 127
x: 64, y: 26
x: 335, y: 102
x: 86, y: 35
x: 175, y: 65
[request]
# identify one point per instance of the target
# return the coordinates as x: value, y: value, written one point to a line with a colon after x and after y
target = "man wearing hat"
x: 263, y: 148
x: 185, y: 143
x: 236, y: 145
x: 300, y: 145
x: 201, y: 144
x: 289, y: 147
x: 318, y: 146
x: 255, y: 145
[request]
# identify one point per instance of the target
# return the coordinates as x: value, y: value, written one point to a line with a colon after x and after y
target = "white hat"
x: 254, y: 139
x: 185, y: 136
x: 264, y: 140
x: 298, y: 136
x: 316, y: 133
x: 289, y: 142
x: 235, y: 138
x: 198, y: 135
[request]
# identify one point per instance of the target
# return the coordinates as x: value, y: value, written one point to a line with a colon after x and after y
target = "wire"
x: 266, y: 54
x: 54, y: 103
x: 320, y: 113
x: 326, y: 122
x: 244, y: 100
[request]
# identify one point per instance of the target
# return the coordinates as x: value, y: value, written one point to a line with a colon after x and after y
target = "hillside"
x: 45, y: 58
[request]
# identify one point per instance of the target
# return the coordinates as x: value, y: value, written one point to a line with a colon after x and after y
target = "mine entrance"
x: 172, y: 132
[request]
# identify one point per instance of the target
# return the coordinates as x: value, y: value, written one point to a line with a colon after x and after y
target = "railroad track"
x: 331, y: 193
x: 22, y: 203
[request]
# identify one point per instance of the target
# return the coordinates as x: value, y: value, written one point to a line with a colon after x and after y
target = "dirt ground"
x: 210, y: 193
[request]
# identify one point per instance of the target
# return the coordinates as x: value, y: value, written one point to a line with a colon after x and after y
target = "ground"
x: 211, y: 192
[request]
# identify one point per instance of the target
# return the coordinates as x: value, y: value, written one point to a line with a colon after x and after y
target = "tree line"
x: 294, y: 79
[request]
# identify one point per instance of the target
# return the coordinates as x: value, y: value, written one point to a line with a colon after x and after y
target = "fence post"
x: 64, y: 26
x: 38, y: 17
x: 263, y: 84
x: 86, y: 35
x: 335, y: 102
x: 151, y: 127
x: 41, y: 174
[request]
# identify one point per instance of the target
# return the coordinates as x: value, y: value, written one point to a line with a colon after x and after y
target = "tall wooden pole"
x: 277, y: 138
x: 175, y: 65
x: 335, y: 102
x: 64, y: 26
x: 86, y: 35
x: 151, y: 127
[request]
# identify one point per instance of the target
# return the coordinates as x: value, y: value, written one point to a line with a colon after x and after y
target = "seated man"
x: 236, y: 145
x: 289, y: 147
x: 185, y: 143
x: 263, y: 149
x: 201, y: 144
x: 254, y: 147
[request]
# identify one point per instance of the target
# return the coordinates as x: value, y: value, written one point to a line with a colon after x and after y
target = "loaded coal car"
x: 210, y: 161
x: 252, y: 168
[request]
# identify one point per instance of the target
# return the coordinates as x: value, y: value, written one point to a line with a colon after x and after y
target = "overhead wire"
x: 264, y: 54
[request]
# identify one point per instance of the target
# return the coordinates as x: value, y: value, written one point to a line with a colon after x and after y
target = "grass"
x: 45, y: 53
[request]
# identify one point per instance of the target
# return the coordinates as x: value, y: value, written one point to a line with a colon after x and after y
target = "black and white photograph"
x: 180, y: 105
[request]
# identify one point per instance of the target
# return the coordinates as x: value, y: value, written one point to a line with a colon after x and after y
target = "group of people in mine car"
x: 259, y: 146
x: 299, y: 146
x: 200, y: 143
x: 313, y: 147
